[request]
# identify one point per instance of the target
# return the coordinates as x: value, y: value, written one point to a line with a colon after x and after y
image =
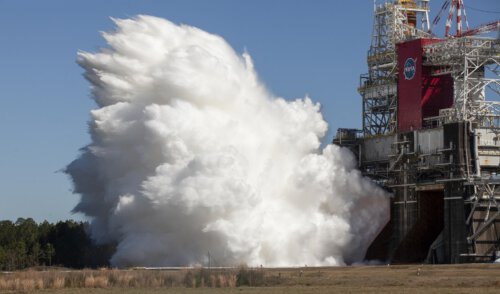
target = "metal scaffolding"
x: 393, y: 22
x: 484, y: 237
x: 445, y: 172
x: 474, y: 64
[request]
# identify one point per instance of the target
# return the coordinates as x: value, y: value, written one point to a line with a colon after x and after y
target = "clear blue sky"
x: 299, y: 47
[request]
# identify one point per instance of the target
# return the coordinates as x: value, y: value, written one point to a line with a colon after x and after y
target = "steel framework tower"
x: 474, y: 64
x: 393, y: 22
x: 431, y: 125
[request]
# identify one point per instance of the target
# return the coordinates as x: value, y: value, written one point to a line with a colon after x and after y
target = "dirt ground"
x: 469, y: 278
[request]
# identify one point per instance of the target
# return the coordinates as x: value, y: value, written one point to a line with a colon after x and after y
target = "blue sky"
x: 316, y: 48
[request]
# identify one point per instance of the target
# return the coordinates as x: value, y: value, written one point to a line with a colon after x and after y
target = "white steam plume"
x: 191, y: 154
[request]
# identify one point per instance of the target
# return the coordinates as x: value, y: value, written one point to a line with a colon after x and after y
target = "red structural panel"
x: 409, y: 85
x: 420, y: 95
x: 437, y: 93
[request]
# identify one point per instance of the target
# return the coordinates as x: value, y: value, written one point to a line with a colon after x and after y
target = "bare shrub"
x: 7, y: 284
x: 108, y: 278
x: 15, y: 284
x: 171, y: 281
x: 89, y: 282
x: 214, y: 281
x: 39, y: 284
x: 58, y: 283
x: 74, y: 279
x: 154, y: 282
x: 26, y: 285
x: 231, y: 280
x: 189, y: 280
x: 101, y: 282
x: 122, y: 279
x: 249, y: 277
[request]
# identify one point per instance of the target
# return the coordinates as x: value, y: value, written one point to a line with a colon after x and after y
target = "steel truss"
x: 469, y: 61
x: 464, y: 165
x: 484, y: 217
x: 378, y: 88
x: 474, y: 65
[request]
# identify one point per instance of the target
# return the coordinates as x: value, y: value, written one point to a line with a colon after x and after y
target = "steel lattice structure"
x: 474, y: 64
x: 393, y: 23
x: 431, y: 134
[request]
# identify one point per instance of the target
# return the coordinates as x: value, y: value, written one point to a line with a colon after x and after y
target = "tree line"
x: 25, y: 243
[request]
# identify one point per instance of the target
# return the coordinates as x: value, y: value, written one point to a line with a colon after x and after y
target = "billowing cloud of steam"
x: 191, y: 154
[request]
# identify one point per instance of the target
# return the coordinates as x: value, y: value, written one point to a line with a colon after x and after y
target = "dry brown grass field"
x: 467, y: 278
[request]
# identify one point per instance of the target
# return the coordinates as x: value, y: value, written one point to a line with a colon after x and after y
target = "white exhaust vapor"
x: 191, y: 154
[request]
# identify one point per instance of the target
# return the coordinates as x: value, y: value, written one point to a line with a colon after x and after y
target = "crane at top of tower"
x: 459, y: 7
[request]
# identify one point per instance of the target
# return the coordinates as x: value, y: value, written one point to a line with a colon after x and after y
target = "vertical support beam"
x: 454, y: 232
x: 455, y: 229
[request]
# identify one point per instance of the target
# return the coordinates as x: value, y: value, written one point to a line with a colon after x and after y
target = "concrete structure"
x: 431, y: 137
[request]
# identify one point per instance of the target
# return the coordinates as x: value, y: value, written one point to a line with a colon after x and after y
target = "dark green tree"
x: 49, y: 253
x: 25, y: 243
